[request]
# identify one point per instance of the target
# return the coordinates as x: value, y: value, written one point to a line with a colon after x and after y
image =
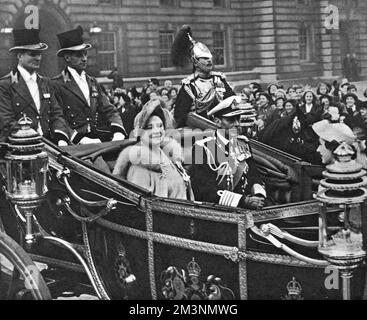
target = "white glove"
x: 118, y: 136
x: 62, y: 143
x: 87, y: 140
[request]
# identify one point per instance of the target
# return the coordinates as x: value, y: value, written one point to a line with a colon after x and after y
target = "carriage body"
x: 145, y: 247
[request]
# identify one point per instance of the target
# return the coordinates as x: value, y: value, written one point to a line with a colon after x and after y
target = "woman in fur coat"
x: 155, y: 162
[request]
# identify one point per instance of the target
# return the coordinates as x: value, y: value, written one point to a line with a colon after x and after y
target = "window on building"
x: 109, y: 2
x: 219, y: 3
x: 219, y: 48
x: 165, y: 44
x: 305, y: 2
x: 306, y: 43
x: 106, y: 57
x: 168, y: 3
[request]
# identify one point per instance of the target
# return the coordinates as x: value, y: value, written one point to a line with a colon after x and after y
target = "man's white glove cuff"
x: 258, y: 189
x: 228, y: 198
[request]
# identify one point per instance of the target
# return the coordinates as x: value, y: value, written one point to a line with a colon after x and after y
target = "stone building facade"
x: 251, y: 39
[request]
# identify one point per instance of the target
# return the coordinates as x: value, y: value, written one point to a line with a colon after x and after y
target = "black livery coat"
x: 99, y: 120
x: 16, y: 100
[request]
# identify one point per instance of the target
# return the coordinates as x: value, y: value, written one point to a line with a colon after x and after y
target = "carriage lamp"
x: 344, y: 185
x: 26, y: 172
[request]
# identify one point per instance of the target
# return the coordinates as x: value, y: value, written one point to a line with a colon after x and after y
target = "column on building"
x: 326, y: 31
x: 260, y: 34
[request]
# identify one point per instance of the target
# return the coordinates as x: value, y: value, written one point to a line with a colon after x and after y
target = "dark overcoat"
x: 100, y: 119
x: 16, y: 100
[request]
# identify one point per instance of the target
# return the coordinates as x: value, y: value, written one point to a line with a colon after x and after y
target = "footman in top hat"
x: 223, y: 169
x: 24, y: 91
x: 205, y: 88
x: 87, y: 109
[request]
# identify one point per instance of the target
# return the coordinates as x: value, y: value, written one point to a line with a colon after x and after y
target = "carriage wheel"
x: 20, y: 278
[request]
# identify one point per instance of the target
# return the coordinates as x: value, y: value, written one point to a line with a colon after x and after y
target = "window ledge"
x: 308, y: 63
x: 168, y: 69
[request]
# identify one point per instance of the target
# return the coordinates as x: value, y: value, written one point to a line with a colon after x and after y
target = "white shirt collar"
x: 26, y: 75
x: 76, y: 75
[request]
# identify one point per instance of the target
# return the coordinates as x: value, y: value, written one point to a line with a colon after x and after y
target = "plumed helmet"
x: 185, y: 48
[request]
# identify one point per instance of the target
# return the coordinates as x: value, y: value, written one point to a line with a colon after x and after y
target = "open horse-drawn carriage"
x: 87, y: 226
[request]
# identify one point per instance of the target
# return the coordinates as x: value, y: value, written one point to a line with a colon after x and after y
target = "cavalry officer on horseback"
x: 223, y: 169
x: 205, y: 88
x: 87, y: 109
x: 24, y: 91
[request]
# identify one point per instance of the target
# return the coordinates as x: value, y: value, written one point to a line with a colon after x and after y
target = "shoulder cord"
x: 212, y: 165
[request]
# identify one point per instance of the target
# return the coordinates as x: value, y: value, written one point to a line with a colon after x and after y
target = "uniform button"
x: 68, y: 107
x: 72, y: 116
x: 74, y: 123
x: 88, y: 119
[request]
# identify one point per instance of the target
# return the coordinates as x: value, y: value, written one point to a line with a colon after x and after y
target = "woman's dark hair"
x: 314, y: 98
x: 135, y: 93
x: 292, y: 102
x: 325, y: 96
x: 333, y: 145
x: 270, y: 85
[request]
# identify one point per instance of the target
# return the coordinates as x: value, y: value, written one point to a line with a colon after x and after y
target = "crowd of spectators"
x: 129, y: 102
x: 285, y: 115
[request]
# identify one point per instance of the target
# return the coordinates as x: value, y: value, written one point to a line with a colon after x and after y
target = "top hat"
x: 72, y: 40
x: 227, y: 108
x: 27, y: 39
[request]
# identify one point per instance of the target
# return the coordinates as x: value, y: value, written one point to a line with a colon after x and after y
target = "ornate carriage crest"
x: 177, y: 285
x: 122, y: 268
x: 294, y: 290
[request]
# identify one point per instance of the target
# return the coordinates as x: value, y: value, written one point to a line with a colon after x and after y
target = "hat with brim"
x: 227, y: 108
x: 72, y: 40
x: 350, y: 95
x: 339, y: 132
x: 267, y: 96
x: 27, y: 39
x: 148, y: 109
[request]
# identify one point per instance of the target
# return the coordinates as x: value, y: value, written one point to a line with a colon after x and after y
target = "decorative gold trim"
x: 230, y: 253
x: 242, y: 265
x: 149, y: 225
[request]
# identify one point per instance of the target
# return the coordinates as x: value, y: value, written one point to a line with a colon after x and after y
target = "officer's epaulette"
x: 202, y: 142
x: 219, y: 74
x: 244, y: 138
x: 188, y: 79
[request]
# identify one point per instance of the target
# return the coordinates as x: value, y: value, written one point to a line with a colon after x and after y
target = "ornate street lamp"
x: 26, y: 172
x: 344, y: 185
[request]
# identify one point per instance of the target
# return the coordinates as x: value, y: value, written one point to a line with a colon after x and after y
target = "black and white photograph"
x: 179, y: 150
